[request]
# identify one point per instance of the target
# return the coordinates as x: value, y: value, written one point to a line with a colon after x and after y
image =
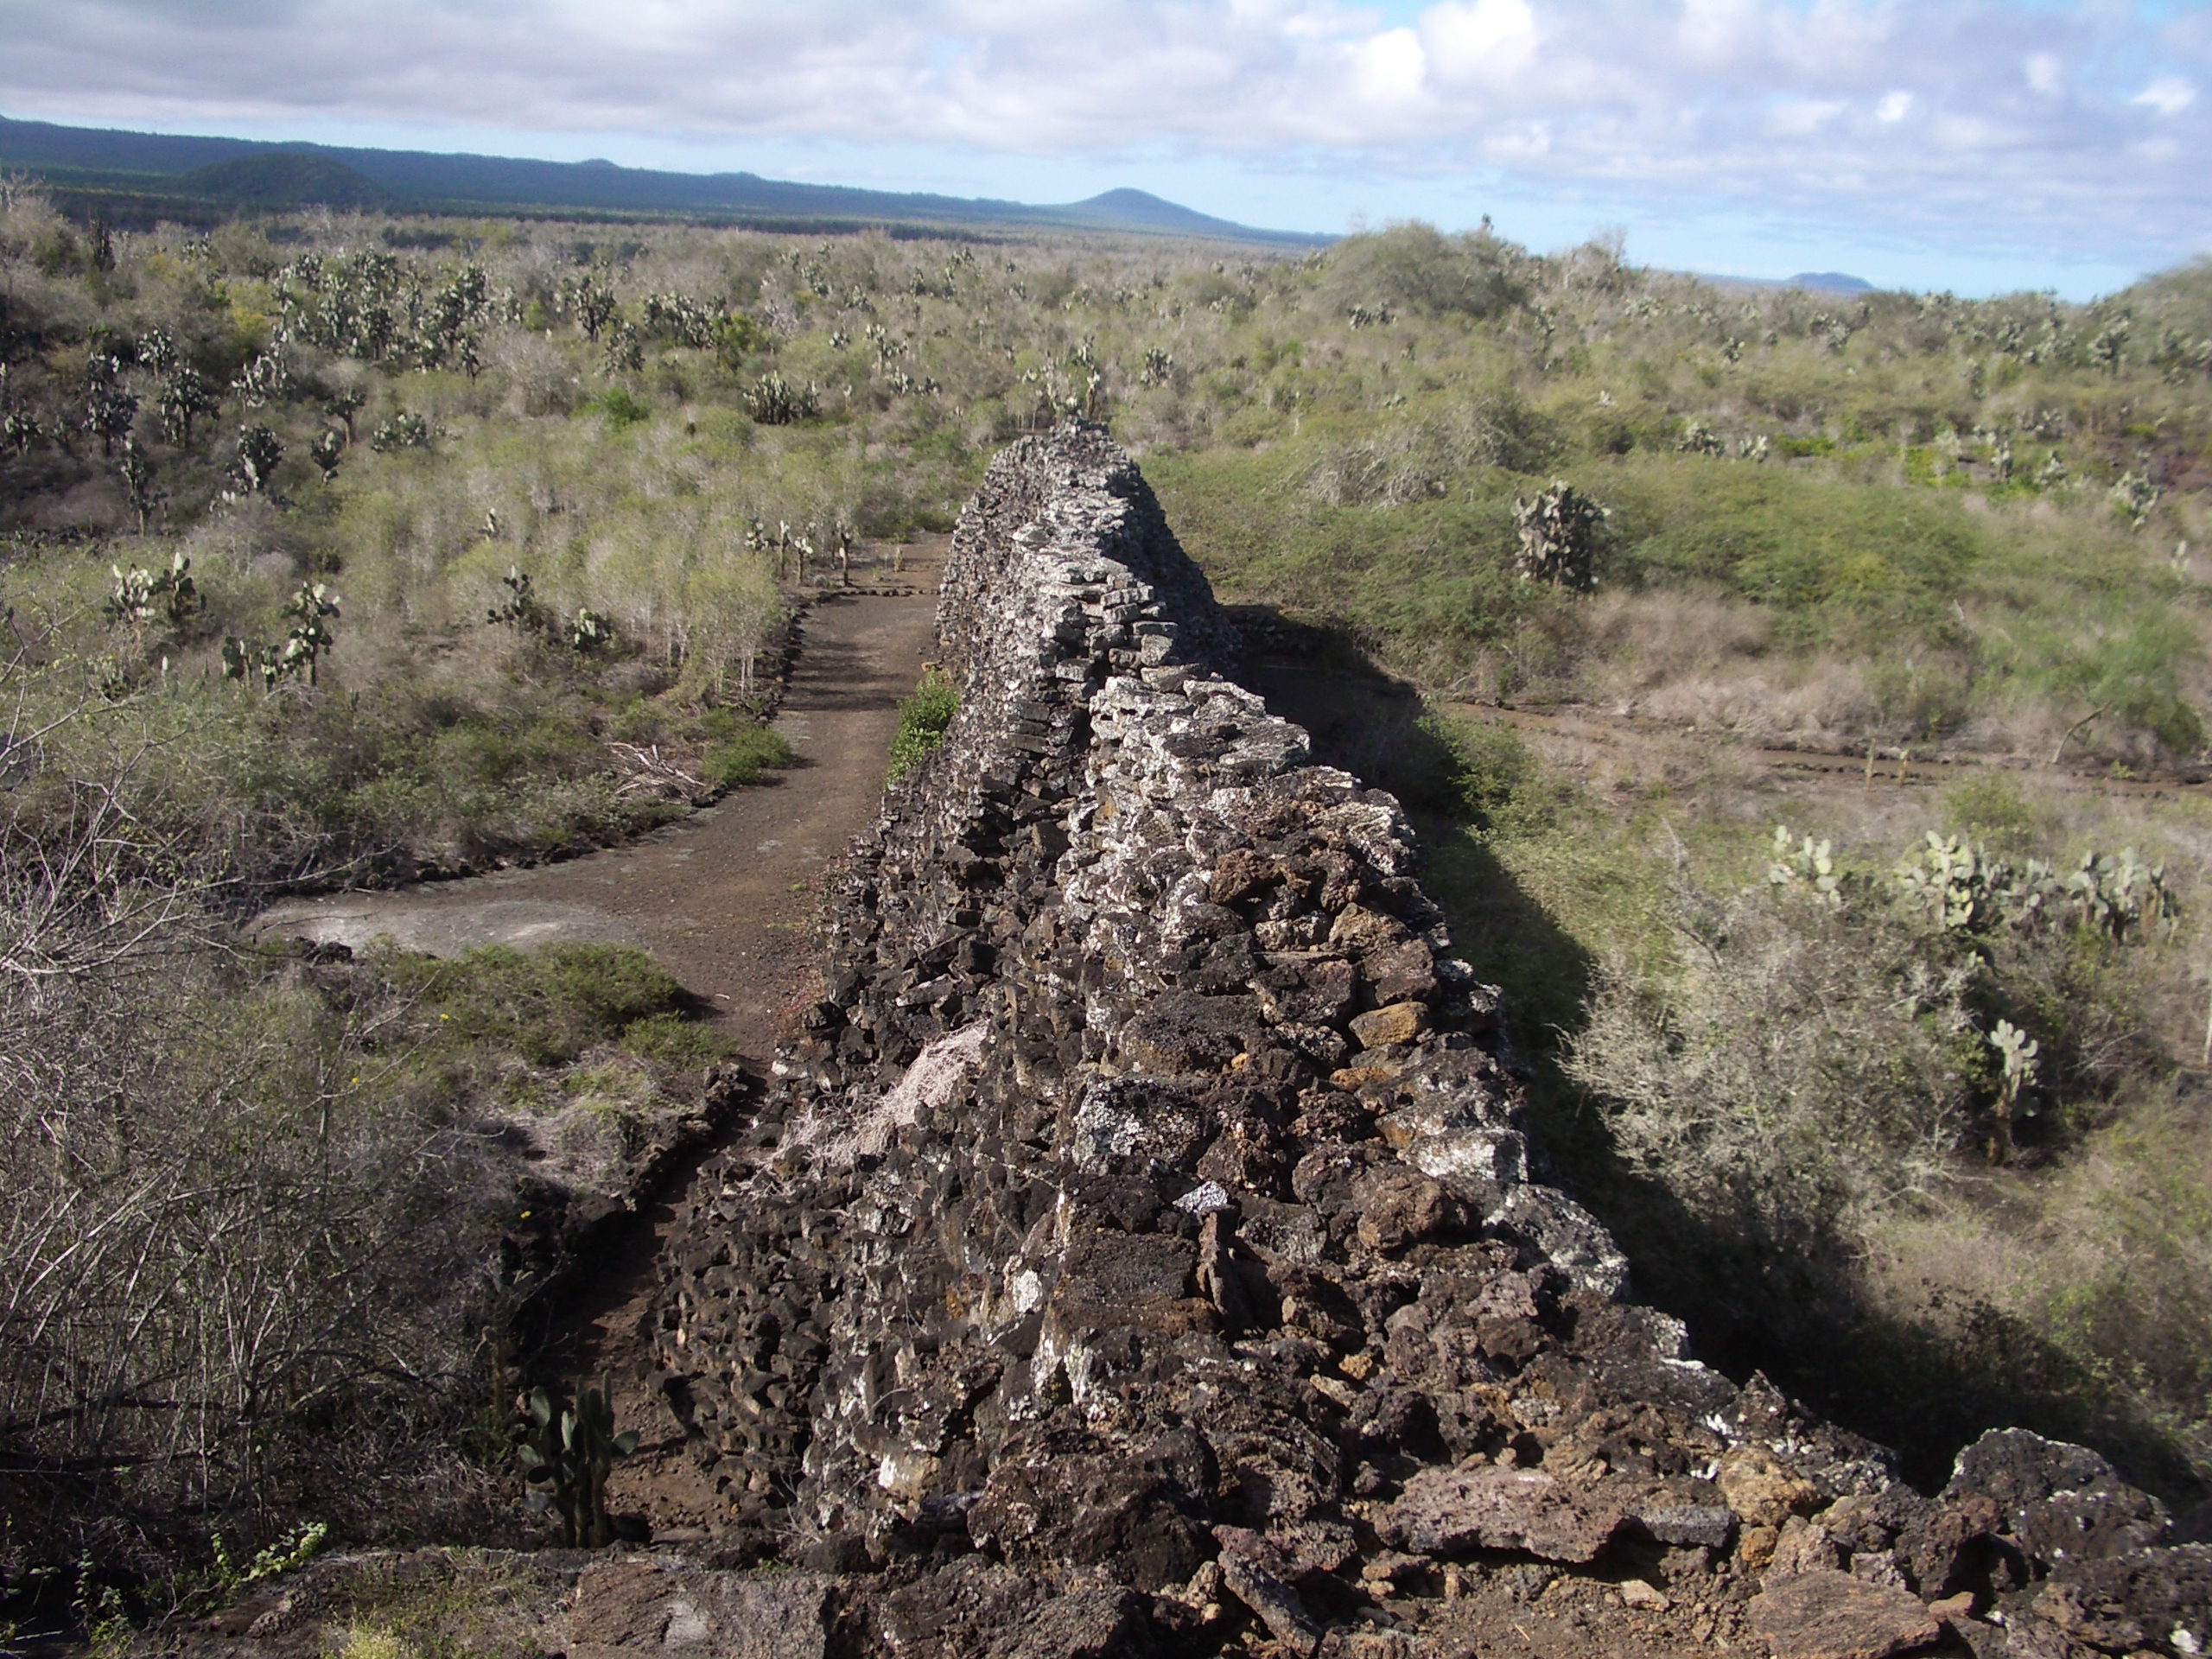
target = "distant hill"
x: 1814, y: 282
x: 1127, y: 209
x: 133, y: 177
x: 1830, y: 282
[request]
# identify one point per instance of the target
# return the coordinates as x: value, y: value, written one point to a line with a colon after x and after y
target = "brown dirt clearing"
x: 722, y: 898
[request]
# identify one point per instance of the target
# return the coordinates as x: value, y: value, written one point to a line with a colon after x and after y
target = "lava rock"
x: 1444, y: 1511
x: 1826, y: 1614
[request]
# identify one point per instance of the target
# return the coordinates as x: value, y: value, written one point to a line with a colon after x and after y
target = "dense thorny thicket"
x: 225, y: 1261
x: 1831, y: 1041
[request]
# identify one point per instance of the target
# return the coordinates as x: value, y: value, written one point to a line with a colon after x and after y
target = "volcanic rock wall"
x: 1141, y: 1241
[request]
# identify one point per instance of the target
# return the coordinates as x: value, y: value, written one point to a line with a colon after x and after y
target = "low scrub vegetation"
x: 270, y: 1218
x: 1892, y: 1104
x: 344, y: 549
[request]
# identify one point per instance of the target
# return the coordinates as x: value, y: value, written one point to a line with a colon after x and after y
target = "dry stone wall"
x: 1139, y: 1249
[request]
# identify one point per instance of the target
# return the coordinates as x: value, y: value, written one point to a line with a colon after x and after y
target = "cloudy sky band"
x: 2063, y: 144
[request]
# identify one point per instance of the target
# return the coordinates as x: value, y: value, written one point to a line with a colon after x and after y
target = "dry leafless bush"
x: 1801, y: 1075
x: 230, y: 1274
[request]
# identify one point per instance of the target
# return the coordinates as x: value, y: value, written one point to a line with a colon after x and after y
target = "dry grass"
x: 1816, y: 701
x: 1642, y: 640
x: 2104, y: 1254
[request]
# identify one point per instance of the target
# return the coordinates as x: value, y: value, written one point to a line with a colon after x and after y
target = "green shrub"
x: 1411, y: 265
x: 1496, y: 782
x: 2125, y: 675
x: 923, y: 718
x: 1920, y: 698
x: 674, y: 1040
x: 548, y: 1005
x: 1986, y: 805
x: 1796, y: 542
x: 744, y: 755
x: 620, y: 409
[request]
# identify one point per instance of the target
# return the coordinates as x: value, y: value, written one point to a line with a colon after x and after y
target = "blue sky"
x: 1967, y: 144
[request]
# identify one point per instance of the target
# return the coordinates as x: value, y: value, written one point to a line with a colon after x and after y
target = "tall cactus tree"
x: 135, y: 468
x: 109, y: 404
x: 311, y: 609
x: 183, y: 398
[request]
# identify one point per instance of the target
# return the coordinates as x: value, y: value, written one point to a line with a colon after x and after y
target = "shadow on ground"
x: 1789, y: 1308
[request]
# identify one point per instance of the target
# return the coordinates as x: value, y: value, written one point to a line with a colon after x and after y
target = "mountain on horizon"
x: 1830, y: 282
x: 1126, y: 208
x: 1813, y: 282
x: 133, y: 177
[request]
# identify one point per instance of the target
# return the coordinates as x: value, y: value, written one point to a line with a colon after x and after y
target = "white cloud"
x: 1720, y: 31
x: 1970, y: 132
x: 2044, y: 75
x: 1388, y: 69
x: 1894, y: 107
x: 2168, y: 95
x: 1796, y: 118
x: 1528, y: 143
x: 1486, y: 42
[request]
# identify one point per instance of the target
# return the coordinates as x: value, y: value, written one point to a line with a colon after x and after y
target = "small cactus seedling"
x: 2136, y: 498
x: 568, y: 1451
x: 1812, y: 864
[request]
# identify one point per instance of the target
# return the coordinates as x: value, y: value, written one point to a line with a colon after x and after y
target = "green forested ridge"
x: 135, y: 177
x: 346, y: 548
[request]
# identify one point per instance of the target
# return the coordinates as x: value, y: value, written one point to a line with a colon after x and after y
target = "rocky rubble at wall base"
x: 1139, y: 1254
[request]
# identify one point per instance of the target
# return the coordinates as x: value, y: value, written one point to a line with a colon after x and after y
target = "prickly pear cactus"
x: 567, y: 1453
x: 1559, y: 530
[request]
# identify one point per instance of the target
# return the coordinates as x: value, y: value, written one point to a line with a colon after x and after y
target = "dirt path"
x: 1892, y: 768
x: 722, y: 899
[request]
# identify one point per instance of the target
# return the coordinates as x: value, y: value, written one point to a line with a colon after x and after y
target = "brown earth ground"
x: 722, y: 897
x: 1596, y: 732
x: 723, y: 900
